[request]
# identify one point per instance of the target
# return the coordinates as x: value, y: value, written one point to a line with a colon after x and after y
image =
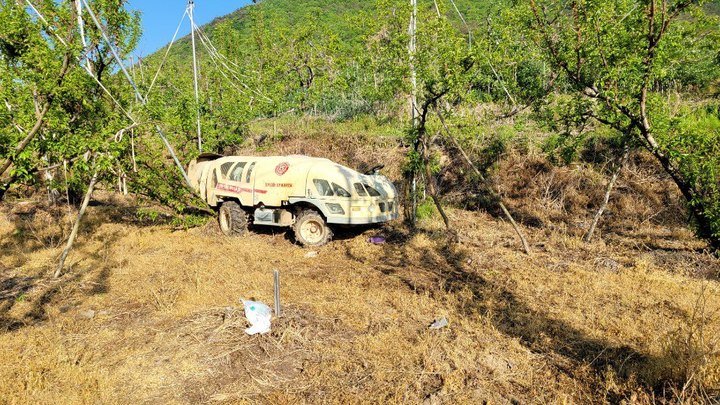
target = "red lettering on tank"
x: 236, y: 189
x: 284, y: 185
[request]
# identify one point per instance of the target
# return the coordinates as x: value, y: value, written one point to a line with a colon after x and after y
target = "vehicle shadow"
x: 340, y: 233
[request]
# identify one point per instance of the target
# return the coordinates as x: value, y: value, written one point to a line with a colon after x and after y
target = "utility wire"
x: 221, y: 58
x: 137, y: 92
x: 166, y: 55
x: 45, y: 22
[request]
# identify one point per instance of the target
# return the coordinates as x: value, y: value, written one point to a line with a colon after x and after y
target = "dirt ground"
x: 151, y: 314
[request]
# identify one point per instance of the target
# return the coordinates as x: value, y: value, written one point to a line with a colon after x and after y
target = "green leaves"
x: 619, y: 58
x: 39, y: 61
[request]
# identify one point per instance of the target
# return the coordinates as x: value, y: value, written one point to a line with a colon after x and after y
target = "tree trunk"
x: 29, y: 137
x: 41, y: 114
x: 76, y: 227
x: 429, y: 181
x: 687, y: 190
x: 496, y: 196
x: 611, y: 184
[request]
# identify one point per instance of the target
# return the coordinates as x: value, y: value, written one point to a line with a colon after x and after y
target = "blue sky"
x: 160, y: 19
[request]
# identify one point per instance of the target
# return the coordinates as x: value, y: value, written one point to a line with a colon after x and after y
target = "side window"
x: 372, y: 191
x: 360, y: 190
x: 323, y: 187
x: 236, y: 173
x: 250, y: 169
x: 225, y: 168
x: 339, y: 191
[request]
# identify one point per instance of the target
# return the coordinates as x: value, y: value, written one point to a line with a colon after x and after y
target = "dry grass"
x: 149, y: 314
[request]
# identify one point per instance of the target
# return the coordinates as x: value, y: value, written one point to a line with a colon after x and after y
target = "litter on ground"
x: 258, y: 315
x: 439, y: 323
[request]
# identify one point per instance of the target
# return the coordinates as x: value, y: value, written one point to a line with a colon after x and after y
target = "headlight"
x: 335, y: 208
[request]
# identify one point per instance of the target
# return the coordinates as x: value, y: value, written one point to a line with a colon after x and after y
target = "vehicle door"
x: 204, y: 181
x: 233, y: 176
x: 249, y: 183
x: 212, y: 181
x: 330, y: 189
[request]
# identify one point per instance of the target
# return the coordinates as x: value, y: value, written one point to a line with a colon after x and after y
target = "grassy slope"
x: 576, y: 322
x: 337, y: 14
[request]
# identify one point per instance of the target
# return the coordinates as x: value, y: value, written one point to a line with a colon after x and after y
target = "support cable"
x: 45, y: 22
x: 487, y: 59
x: 222, y: 72
x: 112, y: 49
x: 217, y: 62
x: 162, y: 63
x: 137, y: 92
x: 140, y: 68
x: 86, y: 68
x: 221, y: 58
x: 117, y: 103
x: 464, y: 23
x: 117, y: 58
x: 219, y: 55
x: 81, y: 25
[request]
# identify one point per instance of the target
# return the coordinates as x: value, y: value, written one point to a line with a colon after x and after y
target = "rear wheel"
x: 310, y: 229
x: 233, y: 219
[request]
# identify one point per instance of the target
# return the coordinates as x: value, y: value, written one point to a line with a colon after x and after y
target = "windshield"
x: 372, y: 191
x: 339, y: 191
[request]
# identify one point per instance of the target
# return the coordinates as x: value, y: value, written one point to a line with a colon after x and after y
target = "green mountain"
x: 319, y: 55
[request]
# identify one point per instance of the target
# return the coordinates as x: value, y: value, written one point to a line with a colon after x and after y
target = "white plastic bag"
x: 258, y: 314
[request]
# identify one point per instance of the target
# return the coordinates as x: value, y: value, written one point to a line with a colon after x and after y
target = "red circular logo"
x: 281, y: 168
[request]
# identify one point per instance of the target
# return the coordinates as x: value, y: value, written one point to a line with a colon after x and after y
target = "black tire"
x: 233, y: 219
x: 311, y: 229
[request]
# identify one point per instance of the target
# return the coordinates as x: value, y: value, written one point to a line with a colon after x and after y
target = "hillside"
x: 339, y: 15
x: 287, y: 55
x: 575, y: 323
x: 562, y: 127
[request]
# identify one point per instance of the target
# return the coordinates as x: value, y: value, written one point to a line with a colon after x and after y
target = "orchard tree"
x: 440, y: 69
x: 619, y: 56
x: 54, y: 112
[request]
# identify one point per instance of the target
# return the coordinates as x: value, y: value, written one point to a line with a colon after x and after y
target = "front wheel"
x: 233, y: 219
x: 311, y: 230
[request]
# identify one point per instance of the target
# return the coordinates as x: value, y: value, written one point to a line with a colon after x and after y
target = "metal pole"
x: 81, y: 25
x: 191, y: 7
x: 413, y: 97
x: 277, y: 293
